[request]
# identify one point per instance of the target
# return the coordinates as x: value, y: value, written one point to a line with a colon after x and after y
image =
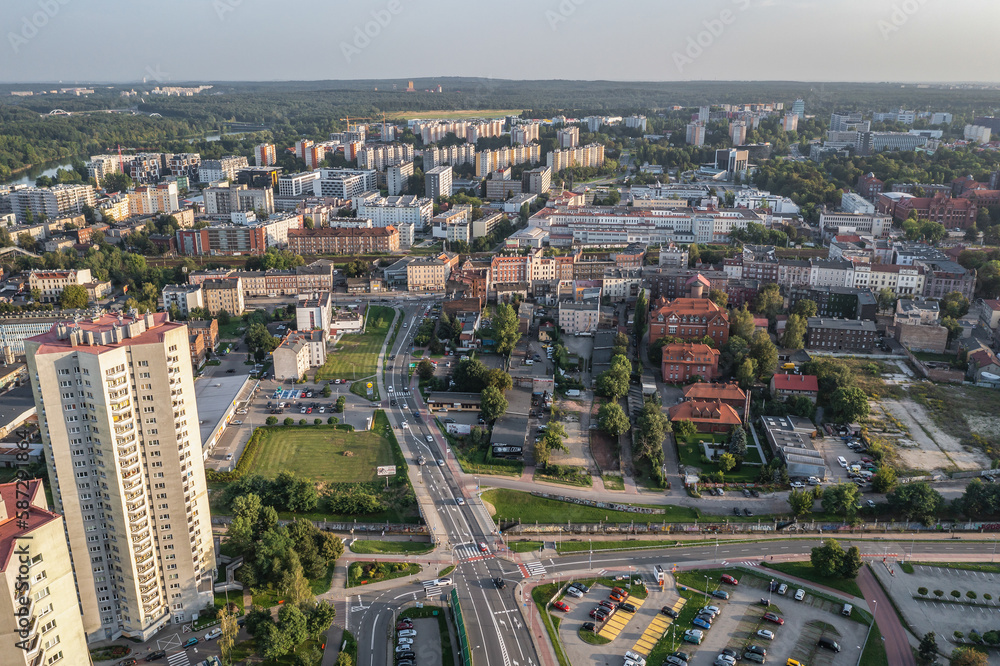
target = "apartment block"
x: 427, y: 275
x: 51, y: 202
x: 223, y: 200
x: 119, y: 424
x: 537, y: 181
x: 568, y: 137
x: 313, y: 312
x: 154, y: 199
x: 343, y: 241
x: 185, y: 165
x: 684, y: 361
x: 524, y: 133
x: 224, y: 294
x: 382, y: 157
x: 695, y: 134
x: 224, y: 168
x: 265, y: 154
x: 345, y: 183
x: 398, y: 177
x: 591, y: 155
x: 437, y: 182
x: 841, y: 335
x: 185, y: 297
x: 51, y: 284
x: 457, y: 155
x: 40, y: 620
x: 576, y: 318
x: 297, y: 184
x: 298, y: 352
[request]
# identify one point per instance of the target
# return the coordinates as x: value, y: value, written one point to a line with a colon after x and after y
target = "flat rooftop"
x: 215, y: 395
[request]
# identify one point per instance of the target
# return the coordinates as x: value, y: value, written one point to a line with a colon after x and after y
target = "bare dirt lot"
x: 929, y: 447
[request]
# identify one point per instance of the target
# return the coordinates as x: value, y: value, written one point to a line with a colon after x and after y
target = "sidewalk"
x: 897, y: 646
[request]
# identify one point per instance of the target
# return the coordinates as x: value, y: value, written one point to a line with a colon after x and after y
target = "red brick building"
x: 949, y: 211
x: 343, y: 241
x: 869, y: 186
x: 707, y: 417
x: 689, y: 319
x: 684, y: 361
x: 728, y: 394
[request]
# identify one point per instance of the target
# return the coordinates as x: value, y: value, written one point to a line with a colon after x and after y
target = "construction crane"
x: 370, y: 120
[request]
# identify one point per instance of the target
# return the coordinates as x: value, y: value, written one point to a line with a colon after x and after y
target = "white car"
x: 800, y: 594
x: 798, y: 485
x: 430, y: 438
x: 404, y: 647
x: 441, y: 582
x: 215, y: 633
x: 460, y: 501
x: 405, y: 641
x: 404, y: 424
x: 637, y: 658
x: 390, y: 389
x: 408, y: 633
x: 765, y: 633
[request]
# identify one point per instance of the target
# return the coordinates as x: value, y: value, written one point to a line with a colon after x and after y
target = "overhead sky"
x: 661, y: 40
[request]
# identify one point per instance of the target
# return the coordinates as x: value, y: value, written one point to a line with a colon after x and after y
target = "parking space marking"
x: 655, y: 631
x: 617, y: 622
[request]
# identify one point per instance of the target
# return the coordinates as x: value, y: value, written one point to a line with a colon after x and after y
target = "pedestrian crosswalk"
x: 431, y: 590
x: 178, y: 659
x: 746, y: 563
x: 530, y: 569
x: 470, y: 552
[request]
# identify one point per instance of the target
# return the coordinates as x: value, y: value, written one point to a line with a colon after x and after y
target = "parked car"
x: 607, y: 604
x: 829, y: 644
x: 782, y: 588
x: 683, y: 656
x: 215, y: 633
x: 580, y: 586
x: 754, y: 657
x: 695, y: 636
x: 766, y: 634
x: 702, y: 623
x: 158, y: 654
x: 561, y: 605
x: 668, y: 611
x: 627, y: 607
x: 402, y: 640
x: 191, y: 641
x: 800, y: 594
x: 408, y: 633
x: 407, y: 655
x: 758, y: 649
x: 771, y: 617
x: 720, y: 594
x: 637, y: 658
x: 404, y: 624
x: 726, y: 578
x: 588, y: 626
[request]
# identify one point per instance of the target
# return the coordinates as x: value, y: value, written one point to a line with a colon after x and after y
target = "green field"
x: 690, y: 453
x: 357, y: 355
x: 317, y: 453
x: 394, y: 547
x: 805, y: 571
x: 517, y: 505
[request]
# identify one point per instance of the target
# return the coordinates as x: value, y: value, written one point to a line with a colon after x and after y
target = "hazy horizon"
x: 638, y: 41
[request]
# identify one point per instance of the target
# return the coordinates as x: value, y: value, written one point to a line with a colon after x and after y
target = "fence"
x: 775, y: 527
x: 463, y: 637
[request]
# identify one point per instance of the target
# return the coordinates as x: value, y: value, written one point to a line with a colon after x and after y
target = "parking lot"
x: 735, y: 627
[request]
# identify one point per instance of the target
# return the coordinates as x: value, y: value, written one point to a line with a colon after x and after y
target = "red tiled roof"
x: 15, y: 526
x: 699, y: 411
x: 704, y: 391
x: 793, y: 382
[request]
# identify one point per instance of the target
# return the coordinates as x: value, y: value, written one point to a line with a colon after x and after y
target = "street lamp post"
x: 591, y: 563
x: 706, y: 589
x: 863, y: 645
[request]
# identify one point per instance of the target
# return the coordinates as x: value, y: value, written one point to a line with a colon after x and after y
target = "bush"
x: 922, y: 591
x: 956, y: 594
x: 332, y: 420
x: 958, y: 636
x: 971, y: 594
x: 289, y: 421
x: 302, y: 422
x: 317, y: 421
x: 939, y: 593
x: 271, y: 420
x: 987, y: 596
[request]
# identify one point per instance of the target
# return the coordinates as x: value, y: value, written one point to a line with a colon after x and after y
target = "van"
x: 842, y: 461
x: 829, y: 644
x: 529, y: 362
x: 788, y: 366
x: 792, y: 662
x: 572, y: 393
x: 846, y: 610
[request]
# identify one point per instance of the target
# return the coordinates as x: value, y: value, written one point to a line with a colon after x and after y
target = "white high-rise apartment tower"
x: 119, y: 423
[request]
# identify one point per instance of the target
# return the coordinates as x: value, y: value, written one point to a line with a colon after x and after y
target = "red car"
x: 771, y: 617
x: 302, y: 395
x: 608, y: 605
x: 561, y: 605
x: 309, y: 411
x: 726, y: 578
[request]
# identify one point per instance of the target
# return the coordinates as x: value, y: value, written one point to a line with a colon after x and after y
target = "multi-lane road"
x: 459, y: 523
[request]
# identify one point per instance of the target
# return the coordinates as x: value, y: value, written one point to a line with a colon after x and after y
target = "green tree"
x: 718, y: 297
x: 425, y: 369
x: 885, y: 479
x: 499, y: 379
x: 916, y: 500
x: 271, y: 420
x: 289, y: 421
x: 794, y: 336
x: 542, y: 453
x: 74, y: 297
x: 340, y: 405
x: 612, y: 419
x: 886, y: 299
x: 967, y: 656
x: 954, y: 305
x: 685, y: 429
x: 828, y: 559
x: 851, y: 564
x: 841, y: 499
x: 344, y: 659
x: 746, y: 374
x: 800, y: 501
x: 928, y: 649
x: 741, y: 323
x: 726, y: 462
x: 769, y: 301
x: 641, y: 314
x: 229, y: 628
x: 805, y: 308
x: 849, y: 404
x: 764, y: 353
x: 505, y: 329
x: 737, y: 444
x: 494, y: 404
x: 259, y: 340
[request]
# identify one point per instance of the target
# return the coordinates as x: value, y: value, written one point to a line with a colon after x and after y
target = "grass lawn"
x: 541, y: 595
x: 524, y: 546
x: 571, y: 477
x: 872, y: 384
x: 236, y: 328
x: 360, y: 389
x: 585, y: 546
x: 805, y: 571
x: 874, y: 654
x: 690, y: 452
x: 517, y: 505
x: 318, y: 453
x: 374, y: 546
x: 357, y: 355
x: 612, y: 482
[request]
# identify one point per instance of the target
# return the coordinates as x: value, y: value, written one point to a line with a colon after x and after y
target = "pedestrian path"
x: 656, y: 630
x: 617, y: 622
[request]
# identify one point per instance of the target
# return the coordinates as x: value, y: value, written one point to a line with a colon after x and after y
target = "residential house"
x: 685, y: 361
x: 785, y: 386
x: 707, y: 417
